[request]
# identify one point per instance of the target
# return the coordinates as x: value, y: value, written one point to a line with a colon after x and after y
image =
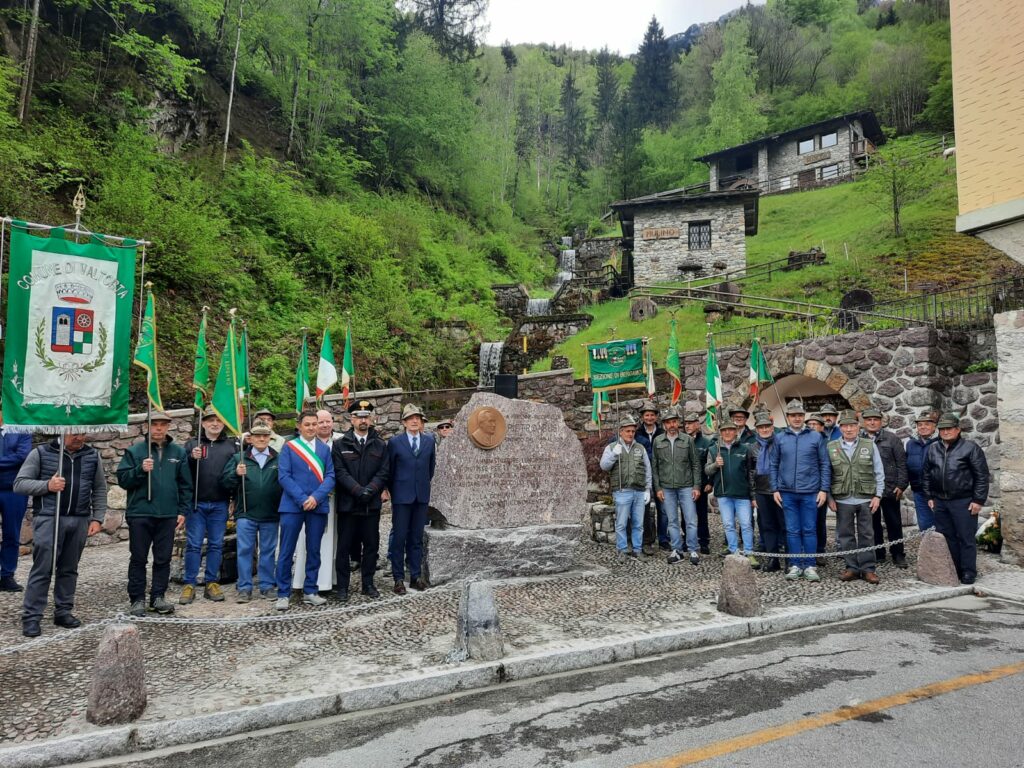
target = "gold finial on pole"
x: 78, y: 206
x: 232, y: 311
x: 149, y: 285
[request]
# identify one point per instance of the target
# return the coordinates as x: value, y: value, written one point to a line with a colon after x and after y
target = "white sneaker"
x: 794, y: 573
x: 313, y: 599
x: 281, y: 604
x: 811, y: 574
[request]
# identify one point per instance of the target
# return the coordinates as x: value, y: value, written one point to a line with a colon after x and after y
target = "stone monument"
x: 511, y: 483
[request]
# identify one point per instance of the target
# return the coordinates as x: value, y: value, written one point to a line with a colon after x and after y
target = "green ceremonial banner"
x: 617, y: 365
x: 201, y: 377
x: 69, y: 322
x: 226, y: 400
x: 145, y: 353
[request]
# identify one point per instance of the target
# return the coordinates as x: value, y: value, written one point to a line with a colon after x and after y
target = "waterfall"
x: 538, y: 307
x: 567, y: 261
x: 490, y: 362
x: 567, y: 241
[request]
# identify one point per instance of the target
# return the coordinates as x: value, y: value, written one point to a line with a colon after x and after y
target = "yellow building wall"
x: 988, y: 96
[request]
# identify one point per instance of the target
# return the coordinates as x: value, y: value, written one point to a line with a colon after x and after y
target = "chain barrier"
x: 844, y: 553
x: 281, y: 617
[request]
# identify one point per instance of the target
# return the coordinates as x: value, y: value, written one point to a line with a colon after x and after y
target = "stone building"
x: 671, y: 236
x: 811, y: 155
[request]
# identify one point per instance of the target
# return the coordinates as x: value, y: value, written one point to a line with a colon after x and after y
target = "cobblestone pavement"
x: 202, y: 668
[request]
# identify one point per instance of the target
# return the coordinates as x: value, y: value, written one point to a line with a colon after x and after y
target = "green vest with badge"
x: 853, y: 476
x: 629, y: 471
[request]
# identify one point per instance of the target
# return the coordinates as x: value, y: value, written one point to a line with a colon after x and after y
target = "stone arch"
x: 812, y: 380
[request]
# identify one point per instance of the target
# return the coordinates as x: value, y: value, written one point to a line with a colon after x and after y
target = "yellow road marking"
x: 792, y: 728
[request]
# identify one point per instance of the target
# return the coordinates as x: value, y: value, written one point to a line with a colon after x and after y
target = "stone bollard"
x: 117, y: 693
x: 479, y: 632
x: 738, y: 594
x: 934, y: 563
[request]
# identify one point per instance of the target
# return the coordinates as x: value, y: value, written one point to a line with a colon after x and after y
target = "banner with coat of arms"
x: 69, y: 318
x: 617, y: 365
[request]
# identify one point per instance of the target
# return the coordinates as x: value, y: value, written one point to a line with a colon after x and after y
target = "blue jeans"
x: 677, y: 499
x: 801, y: 511
x: 207, y: 520
x: 12, y: 510
x: 664, y: 536
x: 733, y: 509
x: 291, y: 526
x: 925, y: 516
x: 629, y: 515
x: 407, y: 524
x: 247, y: 533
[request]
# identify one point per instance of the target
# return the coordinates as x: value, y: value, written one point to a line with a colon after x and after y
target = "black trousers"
x: 772, y: 523
x: 822, y: 528
x: 357, y: 532
x: 953, y: 519
x: 889, y: 510
x: 145, y: 534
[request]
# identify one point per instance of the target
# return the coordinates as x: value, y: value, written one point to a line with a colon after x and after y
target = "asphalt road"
x: 937, y: 685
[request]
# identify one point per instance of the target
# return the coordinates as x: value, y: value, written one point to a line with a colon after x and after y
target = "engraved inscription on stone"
x: 487, y: 428
x: 659, y: 233
x: 535, y: 476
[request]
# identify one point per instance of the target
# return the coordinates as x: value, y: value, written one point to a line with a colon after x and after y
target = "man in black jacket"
x: 955, y: 479
x: 361, y: 474
x: 894, y: 462
x: 208, y: 518
x: 78, y: 477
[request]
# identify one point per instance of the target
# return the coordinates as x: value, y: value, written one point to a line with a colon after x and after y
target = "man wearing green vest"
x: 858, y: 480
x: 629, y: 471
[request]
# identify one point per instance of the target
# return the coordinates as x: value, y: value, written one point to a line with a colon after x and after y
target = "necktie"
x: 362, y: 442
x: 416, y: 446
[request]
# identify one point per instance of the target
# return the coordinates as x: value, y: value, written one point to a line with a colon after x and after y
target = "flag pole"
x: 56, y: 514
x: 149, y: 415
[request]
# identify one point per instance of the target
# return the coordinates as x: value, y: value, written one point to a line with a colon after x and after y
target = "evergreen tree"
x: 453, y: 24
x: 735, y: 115
x: 627, y: 155
x: 651, y: 89
x: 607, y: 87
x: 573, y: 129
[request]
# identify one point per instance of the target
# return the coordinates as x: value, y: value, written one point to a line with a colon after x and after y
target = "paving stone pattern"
x: 194, y: 669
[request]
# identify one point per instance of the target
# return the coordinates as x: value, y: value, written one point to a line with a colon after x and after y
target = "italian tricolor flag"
x: 712, y: 386
x: 759, y: 373
x: 348, y: 370
x: 672, y: 365
x: 327, y: 372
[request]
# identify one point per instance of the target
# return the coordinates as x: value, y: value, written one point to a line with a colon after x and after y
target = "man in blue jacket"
x: 801, y: 475
x: 14, y: 449
x: 411, y: 460
x: 917, y: 449
x: 306, y: 473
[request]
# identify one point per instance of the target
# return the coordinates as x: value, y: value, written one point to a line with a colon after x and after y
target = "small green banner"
x: 617, y: 365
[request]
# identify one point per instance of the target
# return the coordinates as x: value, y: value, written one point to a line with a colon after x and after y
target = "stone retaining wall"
x: 542, y: 335
x: 511, y: 298
x: 595, y: 252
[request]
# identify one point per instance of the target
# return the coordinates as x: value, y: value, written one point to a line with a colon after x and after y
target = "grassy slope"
x: 931, y: 251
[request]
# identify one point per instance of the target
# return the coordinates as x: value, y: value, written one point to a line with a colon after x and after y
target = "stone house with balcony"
x: 673, y: 235
x: 813, y: 155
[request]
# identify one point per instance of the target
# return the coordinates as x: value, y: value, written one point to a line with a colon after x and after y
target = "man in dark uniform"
x: 894, y: 461
x: 655, y: 521
x: 14, y: 449
x: 691, y: 424
x: 361, y: 475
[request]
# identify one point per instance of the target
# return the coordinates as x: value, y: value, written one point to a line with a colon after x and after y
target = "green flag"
x: 712, y: 385
x: 600, y: 406
x: 302, y: 377
x: 145, y: 353
x: 672, y: 364
x: 226, y: 401
x: 759, y: 373
x: 68, y: 347
x: 201, y: 377
x: 348, y: 370
x: 617, y: 365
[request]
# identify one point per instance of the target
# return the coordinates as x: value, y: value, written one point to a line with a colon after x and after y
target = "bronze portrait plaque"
x: 487, y: 428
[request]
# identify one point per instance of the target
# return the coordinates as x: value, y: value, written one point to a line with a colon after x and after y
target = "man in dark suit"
x: 14, y: 449
x: 306, y: 473
x: 411, y: 459
x: 361, y: 474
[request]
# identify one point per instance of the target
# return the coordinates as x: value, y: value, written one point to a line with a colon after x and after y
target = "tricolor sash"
x: 314, y: 462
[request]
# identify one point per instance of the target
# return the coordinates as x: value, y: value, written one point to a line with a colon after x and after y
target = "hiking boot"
x: 754, y: 562
x: 705, y: 550
x: 674, y: 558
x: 773, y: 565
x: 138, y: 608
x: 342, y: 594
x: 665, y: 547
x: 694, y: 558
x: 900, y: 561
x: 849, y: 575
x: 267, y: 594
x: 633, y: 554
x: 313, y: 599
x: 161, y: 606
x: 811, y: 574
x: 244, y: 596
x: 281, y: 604
x: 67, y: 621
x: 31, y: 628
x: 212, y: 591
x: 794, y: 573
x: 871, y: 577
x: 420, y: 584
x: 648, y: 549
x: 188, y: 594
x: 8, y: 584
x: 821, y: 562
x: 399, y: 587
x: 370, y: 591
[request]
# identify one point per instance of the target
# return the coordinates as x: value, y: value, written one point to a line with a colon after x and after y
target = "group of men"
x: 784, y: 479
x: 279, y: 491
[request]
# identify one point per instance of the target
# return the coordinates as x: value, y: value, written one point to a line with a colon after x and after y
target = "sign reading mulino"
x: 69, y: 323
x: 660, y: 233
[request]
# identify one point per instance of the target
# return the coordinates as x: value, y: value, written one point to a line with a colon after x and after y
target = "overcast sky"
x: 590, y: 24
